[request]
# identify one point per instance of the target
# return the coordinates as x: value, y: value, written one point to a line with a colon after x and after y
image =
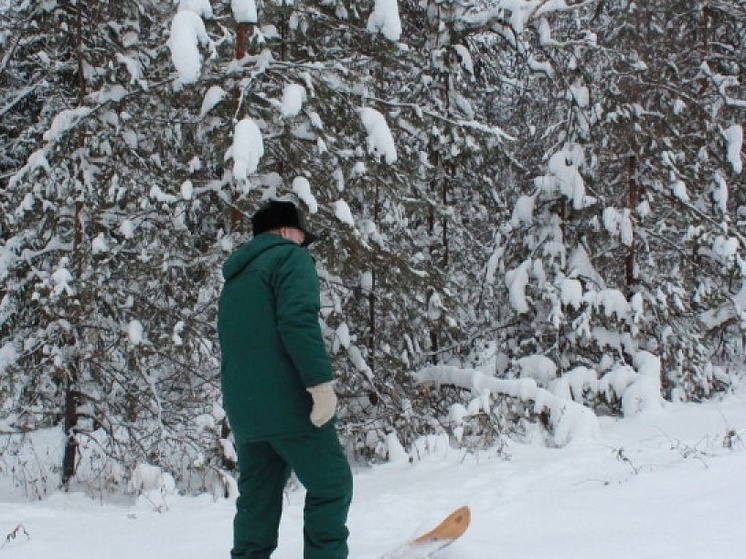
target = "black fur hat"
x: 279, y: 213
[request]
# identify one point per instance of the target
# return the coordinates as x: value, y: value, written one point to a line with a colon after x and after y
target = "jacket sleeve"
x: 297, y: 305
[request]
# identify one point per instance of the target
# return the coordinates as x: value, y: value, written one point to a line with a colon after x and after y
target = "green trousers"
x: 319, y: 462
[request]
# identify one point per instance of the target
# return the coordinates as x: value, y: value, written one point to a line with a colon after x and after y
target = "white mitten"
x: 324, y: 403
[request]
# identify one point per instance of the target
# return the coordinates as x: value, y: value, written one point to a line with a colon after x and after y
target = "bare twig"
x: 620, y: 455
x: 14, y: 534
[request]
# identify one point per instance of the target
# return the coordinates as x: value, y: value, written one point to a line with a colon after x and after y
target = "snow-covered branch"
x: 495, y: 131
x: 723, y: 83
x: 20, y: 96
x: 570, y: 420
x: 54, y: 244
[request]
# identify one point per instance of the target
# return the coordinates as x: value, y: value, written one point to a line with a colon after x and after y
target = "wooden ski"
x: 444, y: 534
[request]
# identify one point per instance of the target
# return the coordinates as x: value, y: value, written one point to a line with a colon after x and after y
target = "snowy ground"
x: 660, y: 485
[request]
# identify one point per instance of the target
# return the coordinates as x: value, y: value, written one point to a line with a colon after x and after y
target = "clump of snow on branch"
x: 734, y: 143
x: 213, y: 96
x: 176, y: 335
x: 571, y: 292
x: 302, y: 189
x: 395, y: 452
x: 357, y: 359
x: 644, y: 393
x: 720, y: 194
x: 612, y: 301
x: 109, y: 92
x: 575, y: 383
x: 99, y: 244
x: 199, y: 7
x: 385, y: 19
x: 187, y: 33
x: 579, y: 264
x: 62, y: 278
x: 8, y: 356
x: 343, y: 213
x: 151, y: 480
x: 247, y: 148
x: 619, y: 222
x: 724, y: 247
x: 465, y: 59
x: 459, y: 413
x: 580, y: 94
x: 637, y: 387
x: 734, y: 308
x: 136, y: 332
x: 537, y: 367
x: 157, y: 194
x: 127, y: 228
x: 545, y: 33
x: 64, y: 121
x: 516, y: 281
x: 244, y: 11
x: 341, y: 338
x: 26, y: 205
x: 564, y: 176
x: 133, y: 65
x: 493, y: 264
x: 380, y: 140
x: 293, y: 97
x: 678, y: 189
x: 521, y: 12
x: 37, y: 160
x: 523, y: 211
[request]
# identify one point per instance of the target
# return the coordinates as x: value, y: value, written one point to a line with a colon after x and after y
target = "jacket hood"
x: 247, y: 252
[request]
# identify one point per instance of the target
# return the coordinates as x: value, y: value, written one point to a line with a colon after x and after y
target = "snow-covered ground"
x: 668, y: 484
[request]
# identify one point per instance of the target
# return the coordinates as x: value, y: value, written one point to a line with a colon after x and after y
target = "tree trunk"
x: 632, y: 199
x: 71, y: 422
x: 242, y: 30
x: 372, y: 298
x: 72, y: 395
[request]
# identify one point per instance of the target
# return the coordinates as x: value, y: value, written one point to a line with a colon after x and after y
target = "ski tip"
x: 461, y: 517
x: 452, y: 527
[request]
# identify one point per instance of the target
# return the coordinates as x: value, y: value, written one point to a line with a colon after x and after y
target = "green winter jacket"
x: 270, y: 339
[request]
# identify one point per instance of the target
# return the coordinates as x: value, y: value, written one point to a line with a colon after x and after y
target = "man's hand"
x: 324, y: 403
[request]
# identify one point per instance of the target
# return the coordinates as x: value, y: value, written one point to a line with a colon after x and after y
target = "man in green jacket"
x: 277, y: 392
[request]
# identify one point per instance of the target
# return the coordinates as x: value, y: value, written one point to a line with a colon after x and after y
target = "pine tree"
x: 107, y: 290
x: 634, y: 203
x: 560, y: 181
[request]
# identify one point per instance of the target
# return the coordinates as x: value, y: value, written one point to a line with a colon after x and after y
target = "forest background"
x: 533, y: 213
